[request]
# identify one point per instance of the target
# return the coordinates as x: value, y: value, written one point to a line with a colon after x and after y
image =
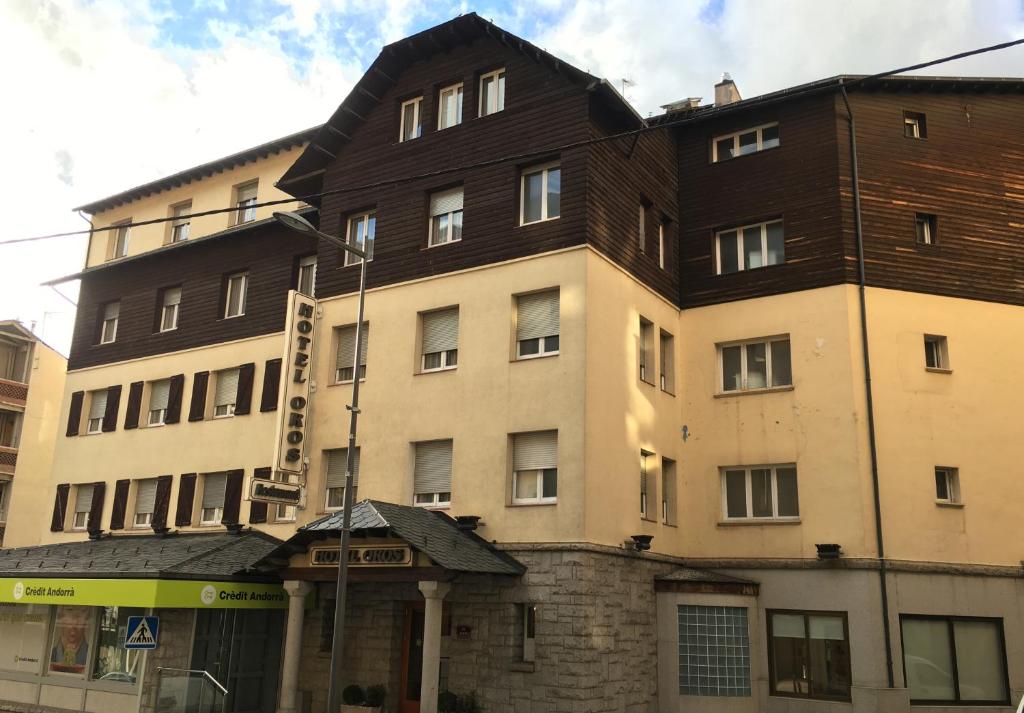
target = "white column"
x: 297, y: 592
x: 433, y: 593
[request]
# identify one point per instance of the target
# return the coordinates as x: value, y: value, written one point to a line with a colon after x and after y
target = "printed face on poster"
x: 72, y: 629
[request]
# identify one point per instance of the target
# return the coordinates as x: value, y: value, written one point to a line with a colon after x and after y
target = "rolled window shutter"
x: 112, y: 406
x: 213, y: 490
x: 433, y: 472
x: 197, y: 409
x: 60, y: 506
x: 98, y: 404
x: 174, y: 399
x: 75, y: 413
x: 120, y: 507
x: 131, y: 411
x: 538, y: 315
x: 233, y: 480
x: 162, y: 503
x: 347, y: 346
x: 535, y: 451
x: 441, y: 331
x: 160, y: 394
x: 446, y: 201
x: 186, y: 496
x: 258, y: 510
x: 337, y: 460
x: 271, y: 385
x: 227, y: 387
x: 95, y: 523
x: 145, y: 495
x: 83, y: 498
x: 243, y: 399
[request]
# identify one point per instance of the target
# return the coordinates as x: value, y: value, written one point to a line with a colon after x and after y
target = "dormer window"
x: 412, y: 123
x: 492, y: 92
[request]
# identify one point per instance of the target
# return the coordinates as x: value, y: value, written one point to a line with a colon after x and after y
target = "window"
x: 23, y: 629
x: 245, y: 202
x: 114, y: 662
x: 926, y: 228
x: 83, y: 504
x: 646, y: 350
x: 760, y: 493
x: 226, y: 393
x: 10, y: 428
x: 537, y: 324
x: 74, y: 629
x: 236, y: 289
x: 432, y: 474
x: 809, y: 654
x: 361, y: 232
x: 666, y: 363
x: 761, y: 364
x: 337, y: 462
x: 450, y: 106
x: 445, y: 217
x: 954, y: 660
x: 412, y: 126
x: 714, y: 651
x: 159, y: 395
x: 97, y: 408
x: 540, y: 193
x: 306, y: 282
x: 947, y: 485
x: 282, y: 512
x: 170, y: 305
x: 119, y: 239
x: 668, y: 491
x: 645, y: 486
x: 212, y: 507
x: 936, y: 352
x: 346, y: 359
x: 3, y: 501
x: 145, y: 502
x: 180, y: 221
x: 914, y: 125
x: 642, y: 228
x: 440, y: 340
x: 749, y: 247
x: 526, y: 627
x: 535, y: 468
x: 744, y: 142
x: 661, y: 244
x: 108, y: 325
x: 492, y: 92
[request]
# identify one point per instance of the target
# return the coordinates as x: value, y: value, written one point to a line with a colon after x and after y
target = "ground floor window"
x: 954, y: 660
x: 809, y: 654
x: 714, y: 651
x: 23, y: 636
x: 74, y: 630
x: 113, y: 661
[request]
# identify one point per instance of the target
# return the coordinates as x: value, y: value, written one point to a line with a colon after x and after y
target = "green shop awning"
x: 161, y: 593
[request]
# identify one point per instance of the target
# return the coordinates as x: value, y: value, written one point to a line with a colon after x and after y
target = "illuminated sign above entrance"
x: 293, y: 398
x: 364, y: 556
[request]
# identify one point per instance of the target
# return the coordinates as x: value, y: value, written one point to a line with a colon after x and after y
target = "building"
x: 656, y: 415
x: 31, y: 388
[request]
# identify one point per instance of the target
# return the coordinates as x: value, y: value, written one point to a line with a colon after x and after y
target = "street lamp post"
x: 296, y: 222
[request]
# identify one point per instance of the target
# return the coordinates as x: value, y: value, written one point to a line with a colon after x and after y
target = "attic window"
x: 914, y: 125
x: 412, y: 124
x: 492, y: 92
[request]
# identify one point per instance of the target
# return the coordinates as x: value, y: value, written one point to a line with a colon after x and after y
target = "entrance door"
x: 241, y: 648
x: 412, y: 659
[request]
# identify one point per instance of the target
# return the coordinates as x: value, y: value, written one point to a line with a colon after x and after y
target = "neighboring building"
x: 31, y: 389
x: 595, y: 346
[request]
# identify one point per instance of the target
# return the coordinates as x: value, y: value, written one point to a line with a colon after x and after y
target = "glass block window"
x: 714, y: 651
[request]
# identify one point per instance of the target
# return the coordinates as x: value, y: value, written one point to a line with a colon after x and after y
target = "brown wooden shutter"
x: 113, y: 404
x: 232, y: 496
x: 186, y: 495
x: 162, y: 502
x: 271, y: 385
x: 60, y: 507
x: 174, y: 399
x: 243, y: 401
x: 75, y: 414
x: 95, y: 521
x: 258, y: 511
x: 131, y: 411
x: 120, y: 507
x: 197, y: 409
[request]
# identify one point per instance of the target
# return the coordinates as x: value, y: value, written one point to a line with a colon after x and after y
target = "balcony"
x: 13, y: 392
x: 8, y: 460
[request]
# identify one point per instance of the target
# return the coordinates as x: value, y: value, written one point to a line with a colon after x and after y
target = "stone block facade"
x: 174, y: 652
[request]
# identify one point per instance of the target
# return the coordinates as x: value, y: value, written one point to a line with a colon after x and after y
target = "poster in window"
x: 72, y: 638
x: 22, y: 636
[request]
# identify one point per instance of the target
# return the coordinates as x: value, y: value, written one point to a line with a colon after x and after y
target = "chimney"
x: 726, y: 91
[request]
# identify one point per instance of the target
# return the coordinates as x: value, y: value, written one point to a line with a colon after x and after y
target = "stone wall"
x: 174, y: 651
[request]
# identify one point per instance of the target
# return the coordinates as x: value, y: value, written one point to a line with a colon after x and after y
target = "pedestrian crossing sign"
x: 141, y: 632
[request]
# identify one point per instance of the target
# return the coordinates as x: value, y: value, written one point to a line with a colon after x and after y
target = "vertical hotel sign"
x: 293, y: 399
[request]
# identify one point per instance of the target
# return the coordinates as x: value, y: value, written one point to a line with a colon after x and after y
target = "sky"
x: 101, y: 95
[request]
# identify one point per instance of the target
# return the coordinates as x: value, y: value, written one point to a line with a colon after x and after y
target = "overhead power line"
x: 811, y: 89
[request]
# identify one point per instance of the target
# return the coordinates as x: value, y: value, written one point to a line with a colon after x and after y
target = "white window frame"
x: 661, y: 244
x: 75, y: 524
x: 931, y: 227
x: 224, y: 410
x: 542, y: 347
x: 89, y: 430
x: 499, y: 101
x: 242, y: 295
x: 120, y: 248
x: 645, y: 485
x: 952, y: 476
x: 544, y: 169
x: 449, y: 230
x: 306, y: 264
x: 431, y: 500
x: 643, y: 229
x: 161, y: 415
x: 174, y: 309
x: 937, y: 346
x: 735, y: 136
x: 110, y: 321
x: 177, y: 211
x: 218, y: 515
x: 351, y: 258
x: 748, y: 480
x: 646, y: 357
x: 912, y: 119
x: 142, y: 520
x: 245, y: 208
x: 537, y: 473
x: 767, y: 341
x: 666, y: 362
x: 741, y: 256
x: 417, y: 105
x: 456, y: 90
x: 447, y: 362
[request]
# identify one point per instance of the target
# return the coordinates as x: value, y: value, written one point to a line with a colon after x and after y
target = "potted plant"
x: 356, y: 699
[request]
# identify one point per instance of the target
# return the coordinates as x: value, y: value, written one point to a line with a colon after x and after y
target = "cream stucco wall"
x: 213, y: 192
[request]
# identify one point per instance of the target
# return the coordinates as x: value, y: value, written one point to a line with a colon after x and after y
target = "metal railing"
x: 182, y: 690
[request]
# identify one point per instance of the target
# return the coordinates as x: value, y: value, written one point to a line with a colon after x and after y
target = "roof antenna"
x: 626, y: 83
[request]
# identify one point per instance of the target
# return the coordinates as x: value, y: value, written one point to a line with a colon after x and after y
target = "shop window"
x: 23, y: 633
x: 954, y: 660
x: 809, y: 655
x: 114, y: 663
x: 73, y: 636
x: 714, y: 651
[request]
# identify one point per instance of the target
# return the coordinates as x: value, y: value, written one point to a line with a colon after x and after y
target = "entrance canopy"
x: 196, y: 571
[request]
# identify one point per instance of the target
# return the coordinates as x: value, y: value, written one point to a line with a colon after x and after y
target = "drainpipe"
x: 861, y: 284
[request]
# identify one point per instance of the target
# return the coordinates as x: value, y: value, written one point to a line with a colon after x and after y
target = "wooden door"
x: 412, y: 659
